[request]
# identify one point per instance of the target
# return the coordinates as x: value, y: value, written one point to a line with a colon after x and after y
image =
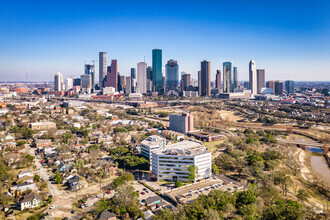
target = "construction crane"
x: 93, y: 61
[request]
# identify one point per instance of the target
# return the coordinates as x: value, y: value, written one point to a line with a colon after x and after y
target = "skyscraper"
x: 142, y: 77
x: 102, y: 67
x: 260, y: 80
x: 271, y: 84
x: 133, y: 80
x: 205, y: 78
x: 128, y: 88
x: 149, y: 73
x: 112, y: 76
x: 58, y: 82
x: 185, y: 81
x: 68, y: 84
x: 86, y: 82
x: 133, y: 73
x: 228, y: 77
x: 157, y: 78
x: 278, y: 87
x: 218, y: 80
x: 253, y: 77
x: 199, y: 83
x: 289, y: 86
x: 235, y: 83
x: 172, y: 75
x: 90, y: 70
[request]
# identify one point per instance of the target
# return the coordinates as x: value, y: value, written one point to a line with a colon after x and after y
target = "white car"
x: 53, y: 206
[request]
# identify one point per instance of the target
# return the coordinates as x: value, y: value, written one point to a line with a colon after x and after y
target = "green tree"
x: 302, y: 195
x: 20, y: 142
x: 79, y: 164
x: 36, y: 178
x: 178, y: 183
x: 215, y: 169
x: 193, y: 173
x: 57, y: 178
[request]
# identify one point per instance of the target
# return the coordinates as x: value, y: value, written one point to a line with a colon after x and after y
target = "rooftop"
x: 153, y: 140
x: 184, y: 148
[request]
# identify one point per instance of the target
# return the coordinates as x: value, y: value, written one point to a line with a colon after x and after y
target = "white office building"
x: 68, y: 84
x: 58, y: 82
x: 253, y: 78
x: 173, y: 162
x: 151, y: 144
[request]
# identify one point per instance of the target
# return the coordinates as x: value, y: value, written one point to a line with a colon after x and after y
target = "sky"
x: 290, y: 39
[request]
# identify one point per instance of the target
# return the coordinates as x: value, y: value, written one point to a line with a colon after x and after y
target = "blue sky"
x: 290, y: 39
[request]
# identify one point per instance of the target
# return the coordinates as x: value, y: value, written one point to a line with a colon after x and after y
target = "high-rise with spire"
x: 253, y: 78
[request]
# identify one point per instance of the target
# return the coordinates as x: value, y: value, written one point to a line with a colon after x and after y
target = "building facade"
x: 157, y: 78
x: 58, y: 82
x: 90, y: 70
x: 289, y: 86
x: 228, y: 77
x: 253, y: 78
x: 260, y: 80
x: 218, y: 80
x: 142, y: 77
x: 103, y: 57
x: 172, y: 75
x: 278, y: 87
x: 205, y: 78
x: 235, y: 84
x: 151, y: 144
x: 183, y: 123
x: 174, y: 161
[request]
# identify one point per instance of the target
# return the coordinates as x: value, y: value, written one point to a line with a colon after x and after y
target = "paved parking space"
x: 147, y: 193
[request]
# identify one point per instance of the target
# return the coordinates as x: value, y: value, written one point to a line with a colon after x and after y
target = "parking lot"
x: 144, y: 192
x: 192, y: 191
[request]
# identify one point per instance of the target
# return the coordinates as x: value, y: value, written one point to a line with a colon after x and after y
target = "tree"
x: 102, y: 205
x: 247, y: 197
x: 36, y: 178
x: 178, y: 184
x: 20, y: 142
x: 215, y: 169
x: 57, y: 178
x: 193, y: 173
x: 211, y: 214
x: 79, y: 164
x: 302, y: 195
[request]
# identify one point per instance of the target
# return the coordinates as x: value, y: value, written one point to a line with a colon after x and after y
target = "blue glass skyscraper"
x: 289, y: 86
x: 157, y: 83
x: 172, y: 75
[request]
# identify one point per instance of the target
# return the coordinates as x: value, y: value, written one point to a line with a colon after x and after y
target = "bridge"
x: 301, y: 143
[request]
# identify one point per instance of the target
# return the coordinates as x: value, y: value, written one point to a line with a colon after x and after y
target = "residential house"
x: 28, y: 172
x: 30, y: 201
x: 20, y: 188
x: 106, y: 215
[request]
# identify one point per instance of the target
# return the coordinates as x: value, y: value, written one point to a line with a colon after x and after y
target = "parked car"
x: 53, y: 206
x: 143, y: 193
x: 229, y: 189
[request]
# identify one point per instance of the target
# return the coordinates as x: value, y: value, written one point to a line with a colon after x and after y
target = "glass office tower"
x: 157, y: 77
x: 172, y: 75
x: 228, y: 77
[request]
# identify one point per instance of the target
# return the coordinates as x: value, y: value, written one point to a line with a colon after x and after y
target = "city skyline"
x: 44, y: 39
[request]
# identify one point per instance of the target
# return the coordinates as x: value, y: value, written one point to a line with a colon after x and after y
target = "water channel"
x: 319, y: 164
